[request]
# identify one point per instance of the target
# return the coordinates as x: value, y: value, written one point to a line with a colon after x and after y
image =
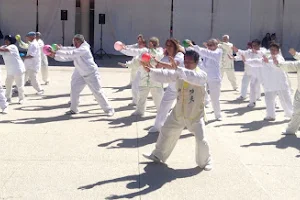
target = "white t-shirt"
x: 13, y: 62
x: 33, y: 63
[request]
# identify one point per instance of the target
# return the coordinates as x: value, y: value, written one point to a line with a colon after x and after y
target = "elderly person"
x: 14, y: 67
x: 44, y: 59
x: 85, y: 73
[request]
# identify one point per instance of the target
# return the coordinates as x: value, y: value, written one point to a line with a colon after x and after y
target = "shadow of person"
x: 241, y: 111
x: 289, y: 141
x: 136, y: 142
x: 253, y: 126
x: 45, y: 108
x: 124, y: 121
x: 154, y: 177
x: 120, y: 89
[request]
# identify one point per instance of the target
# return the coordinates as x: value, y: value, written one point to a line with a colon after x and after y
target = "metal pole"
x: 212, y: 18
x: 37, y: 15
x: 172, y: 10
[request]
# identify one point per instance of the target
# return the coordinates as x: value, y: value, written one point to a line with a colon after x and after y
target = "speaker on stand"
x: 101, y: 52
x: 63, y: 18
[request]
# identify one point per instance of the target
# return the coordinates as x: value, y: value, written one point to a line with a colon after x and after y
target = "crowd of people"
x: 188, y: 76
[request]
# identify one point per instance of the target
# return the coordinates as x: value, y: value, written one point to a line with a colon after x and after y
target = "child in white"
x: 14, y: 67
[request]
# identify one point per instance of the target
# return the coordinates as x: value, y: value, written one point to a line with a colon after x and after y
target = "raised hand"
x: 275, y: 60
x: 292, y: 51
x: 173, y: 63
x: 265, y: 59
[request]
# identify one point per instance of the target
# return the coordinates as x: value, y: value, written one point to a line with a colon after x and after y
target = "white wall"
x: 19, y: 17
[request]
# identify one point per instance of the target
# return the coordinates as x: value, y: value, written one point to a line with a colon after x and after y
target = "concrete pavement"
x: 48, y: 155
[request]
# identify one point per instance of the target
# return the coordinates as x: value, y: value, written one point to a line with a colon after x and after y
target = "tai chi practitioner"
x: 14, y: 67
x: 255, y: 92
x: 85, y: 73
x: 172, y: 50
x: 188, y: 111
x: 44, y: 59
x: 227, y: 64
x: 212, y: 56
x: 293, y: 66
x: 146, y: 84
x: 274, y: 81
x: 32, y: 62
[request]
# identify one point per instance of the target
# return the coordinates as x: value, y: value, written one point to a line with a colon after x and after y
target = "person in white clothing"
x: 293, y: 66
x: 85, y: 73
x: 3, y: 100
x: 44, y: 59
x: 255, y: 92
x: 274, y: 81
x: 227, y: 64
x: 32, y: 62
x: 146, y: 84
x: 212, y: 56
x: 188, y: 112
x: 24, y: 45
x: 172, y: 50
x: 14, y: 67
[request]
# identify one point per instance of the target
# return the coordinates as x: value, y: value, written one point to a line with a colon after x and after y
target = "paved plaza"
x: 46, y: 155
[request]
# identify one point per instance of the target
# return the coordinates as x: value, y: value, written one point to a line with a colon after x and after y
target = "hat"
x: 10, y: 38
x: 31, y: 34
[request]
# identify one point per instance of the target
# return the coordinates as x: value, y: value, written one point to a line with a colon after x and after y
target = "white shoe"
x: 241, y: 98
x: 269, y: 119
x: 21, y: 101
x: 4, y: 110
x: 110, y: 112
x: 153, y: 129
x: 8, y: 101
x: 136, y: 113
x: 40, y: 92
x: 251, y: 105
x: 71, y: 112
x: 132, y: 104
x: 208, y: 166
x: 152, y: 158
x: 219, y: 118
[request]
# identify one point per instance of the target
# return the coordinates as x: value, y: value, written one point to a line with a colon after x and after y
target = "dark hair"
x: 175, y: 44
x: 275, y: 45
x: 256, y: 41
x: 11, y: 39
x: 194, y: 54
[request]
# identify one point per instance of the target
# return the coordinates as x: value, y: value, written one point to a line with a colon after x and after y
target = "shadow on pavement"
x: 253, y: 126
x: 289, y: 141
x: 241, y: 111
x: 154, y: 177
x: 136, y: 142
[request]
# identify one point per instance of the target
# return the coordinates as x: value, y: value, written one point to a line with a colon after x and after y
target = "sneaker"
x: 219, y: 118
x: 4, y: 110
x: 251, y: 105
x: 241, y: 98
x: 153, y: 129
x: 71, y: 112
x: 208, y: 166
x: 132, y: 104
x: 8, y: 101
x: 40, y: 92
x: 269, y: 119
x: 136, y: 113
x: 152, y: 158
x: 21, y: 101
x: 110, y: 112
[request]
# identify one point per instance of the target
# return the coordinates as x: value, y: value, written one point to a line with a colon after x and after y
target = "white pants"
x: 245, y: 84
x: 20, y: 85
x: 214, y: 93
x: 32, y: 76
x: 93, y: 81
x: 3, y: 103
x: 157, y: 94
x: 295, y: 121
x: 285, y: 101
x: 45, y: 72
x: 135, y: 88
x: 231, y: 77
x: 255, y: 92
x: 170, y: 134
x: 166, y: 104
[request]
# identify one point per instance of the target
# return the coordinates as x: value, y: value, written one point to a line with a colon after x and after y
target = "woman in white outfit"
x: 44, y: 59
x: 14, y: 67
x: 170, y: 95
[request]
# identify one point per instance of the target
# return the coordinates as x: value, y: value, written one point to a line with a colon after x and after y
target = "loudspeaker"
x: 64, y: 15
x: 101, y: 18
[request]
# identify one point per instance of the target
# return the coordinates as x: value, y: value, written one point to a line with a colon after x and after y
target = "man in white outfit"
x: 44, y: 59
x: 14, y: 67
x: 188, y: 112
x: 227, y: 64
x: 85, y: 73
x: 293, y: 66
x: 212, y: 56
x: 255, y: 92
x: 274, y: 81
x: 32, y: 62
